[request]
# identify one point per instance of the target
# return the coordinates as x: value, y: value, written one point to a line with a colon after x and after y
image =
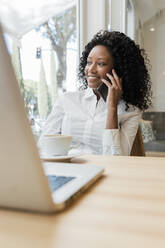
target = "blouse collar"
x: 89, y: 93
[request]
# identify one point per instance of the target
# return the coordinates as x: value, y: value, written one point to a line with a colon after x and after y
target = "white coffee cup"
x: 56, y: 145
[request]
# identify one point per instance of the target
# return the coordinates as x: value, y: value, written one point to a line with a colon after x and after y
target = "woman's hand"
x: 114, y: 89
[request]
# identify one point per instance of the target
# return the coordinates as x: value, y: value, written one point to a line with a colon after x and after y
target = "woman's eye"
x: 89, y: 62
x: 101, y: 64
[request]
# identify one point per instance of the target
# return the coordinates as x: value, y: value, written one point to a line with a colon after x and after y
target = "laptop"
x: 27, y: 183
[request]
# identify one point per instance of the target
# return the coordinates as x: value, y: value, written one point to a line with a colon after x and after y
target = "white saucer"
x: 59, y: 158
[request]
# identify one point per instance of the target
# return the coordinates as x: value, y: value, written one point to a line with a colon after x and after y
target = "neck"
x: 97, y: 94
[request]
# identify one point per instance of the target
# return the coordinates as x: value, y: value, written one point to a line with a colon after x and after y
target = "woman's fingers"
x: 108, y: 84
x: 117, y: 79
x: 112, y: 80
x: 116, y: 82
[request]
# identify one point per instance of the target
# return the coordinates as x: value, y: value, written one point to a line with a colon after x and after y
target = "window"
x: 45, y: 64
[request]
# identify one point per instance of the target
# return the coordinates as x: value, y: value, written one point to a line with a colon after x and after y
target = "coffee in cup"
x: 56, y: 145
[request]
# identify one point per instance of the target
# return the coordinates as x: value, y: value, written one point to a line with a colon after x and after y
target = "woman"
x: 101, y: 126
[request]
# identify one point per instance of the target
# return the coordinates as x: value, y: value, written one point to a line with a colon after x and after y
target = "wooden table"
x: 125, y: 208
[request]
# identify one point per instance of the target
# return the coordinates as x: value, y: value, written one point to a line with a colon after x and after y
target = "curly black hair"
x: 130, y: 63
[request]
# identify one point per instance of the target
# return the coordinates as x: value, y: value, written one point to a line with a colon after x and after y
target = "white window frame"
x: 91, y: 19
x: 130, y: 19
x: 93, y: 15
x: 118, y: 15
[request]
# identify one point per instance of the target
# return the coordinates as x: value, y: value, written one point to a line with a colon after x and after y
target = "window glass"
x: 45, y: 64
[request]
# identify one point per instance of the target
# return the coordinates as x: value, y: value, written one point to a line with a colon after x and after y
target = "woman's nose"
x: 92, y: 67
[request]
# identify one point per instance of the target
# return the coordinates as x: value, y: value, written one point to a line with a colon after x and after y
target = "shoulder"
x: 132, y: 110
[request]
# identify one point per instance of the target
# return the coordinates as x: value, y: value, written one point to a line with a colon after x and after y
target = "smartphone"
x: 103, y: 89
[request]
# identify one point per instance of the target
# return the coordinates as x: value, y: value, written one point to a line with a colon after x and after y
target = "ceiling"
x: 148, y: 8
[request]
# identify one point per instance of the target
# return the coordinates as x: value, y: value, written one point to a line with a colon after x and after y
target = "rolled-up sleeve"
x: 111, y: 142
x: 119, y: 141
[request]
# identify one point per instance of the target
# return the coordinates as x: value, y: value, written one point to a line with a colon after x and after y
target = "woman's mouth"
x: 92, y: 78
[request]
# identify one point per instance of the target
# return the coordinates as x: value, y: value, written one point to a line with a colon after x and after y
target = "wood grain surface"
x: 125, y: 208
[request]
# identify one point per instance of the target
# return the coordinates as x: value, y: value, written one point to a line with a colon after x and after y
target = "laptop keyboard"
x: 56, y: 182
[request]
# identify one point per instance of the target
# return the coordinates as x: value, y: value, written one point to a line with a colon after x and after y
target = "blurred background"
x: 46, y: 55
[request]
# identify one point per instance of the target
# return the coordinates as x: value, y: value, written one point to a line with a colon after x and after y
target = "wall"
x: 154, y: 44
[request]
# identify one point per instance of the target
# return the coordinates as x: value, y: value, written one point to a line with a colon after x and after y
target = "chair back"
x: 138, y: 146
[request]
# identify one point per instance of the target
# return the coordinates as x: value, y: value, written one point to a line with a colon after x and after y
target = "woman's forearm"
x: 112, y: 119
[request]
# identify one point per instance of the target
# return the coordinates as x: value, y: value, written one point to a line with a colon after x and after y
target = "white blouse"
x: 80, y: 115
